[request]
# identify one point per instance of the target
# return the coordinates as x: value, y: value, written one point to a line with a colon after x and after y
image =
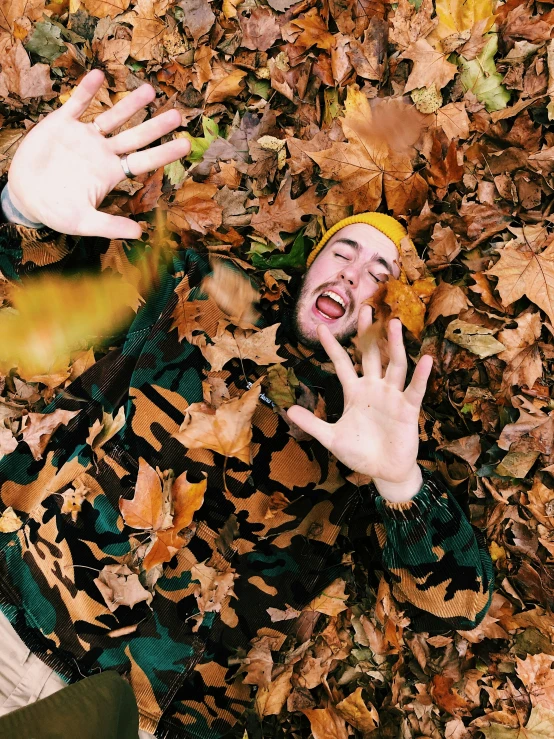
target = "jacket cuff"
x: 431, y: 494
x: 11, y: 214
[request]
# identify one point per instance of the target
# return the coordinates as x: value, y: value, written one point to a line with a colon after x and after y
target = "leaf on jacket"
x: 163, y: 506
x: 120, y: 586
x: 9, y: 521
x: 213, y: 589
x: 227, y: 430
x: 39, y: 427
x: 102, y: 431
x: 73, y: 498
x: 259, y: 346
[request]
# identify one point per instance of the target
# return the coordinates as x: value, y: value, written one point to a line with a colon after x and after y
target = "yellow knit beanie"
x: 384, y: 223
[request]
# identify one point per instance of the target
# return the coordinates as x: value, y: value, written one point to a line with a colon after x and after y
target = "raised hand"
x: 377, y: 434
x: 64, y: 169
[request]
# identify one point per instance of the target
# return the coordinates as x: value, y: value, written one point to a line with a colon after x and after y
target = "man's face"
x: 345, y: 273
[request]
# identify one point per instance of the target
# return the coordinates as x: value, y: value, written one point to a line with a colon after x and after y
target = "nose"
x: 349, y: 273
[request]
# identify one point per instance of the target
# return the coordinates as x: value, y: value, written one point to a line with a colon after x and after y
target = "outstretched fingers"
x: 311, y: 424
x: 367, y: 337
x: 83, y: 94
x: 398, y: 364
x: 416, y: 389
x: 338, y: 355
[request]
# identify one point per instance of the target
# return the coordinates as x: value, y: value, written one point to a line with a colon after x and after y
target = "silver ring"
x: 125, y: 166
x: 98, y: 128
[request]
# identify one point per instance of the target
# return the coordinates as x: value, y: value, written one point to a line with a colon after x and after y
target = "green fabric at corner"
x: 103, y: 705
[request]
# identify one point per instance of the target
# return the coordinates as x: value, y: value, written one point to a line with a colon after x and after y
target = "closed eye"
x: 342, y: 256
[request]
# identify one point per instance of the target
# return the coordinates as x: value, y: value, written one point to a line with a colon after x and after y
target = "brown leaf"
x: 233, y: 293
x: 523, y: 272
x: 9, y: 521
x: 39, y: 427
x: 260, y: 30
x: 73, y: 498
x: 430, y: 66
x: 226, y: 82
x: 359, y: 714
x: 259, y: 346
x: 325, y: 723
x: 214, y: 588
x: 284, y: 214
x: 120, y: 586
x: 332, y: 600
x: 537, y: 675
x: 406, y: 305
x: 198, y: 17
x: 308, y: 30
x: 447, y: 300
x: 227, y: 430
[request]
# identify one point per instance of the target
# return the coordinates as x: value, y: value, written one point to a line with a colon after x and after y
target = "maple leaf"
x: 521, y: 271
x: 366, y: 165
x: 259, y: 346
x: 332, y: 600
x: 164, y: 512
x: 227, y: 430
x: 284, y: 214
x: 194, y: 208
x: 430, y: 66
x: 73, y: 498
x: 120, y: 586
x: 308, y: 30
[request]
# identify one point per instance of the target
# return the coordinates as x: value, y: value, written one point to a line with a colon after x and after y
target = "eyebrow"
x: 375, y: 258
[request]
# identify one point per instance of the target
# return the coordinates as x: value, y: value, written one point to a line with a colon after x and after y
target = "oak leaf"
x: 227, y: 430
x: 213, y: 589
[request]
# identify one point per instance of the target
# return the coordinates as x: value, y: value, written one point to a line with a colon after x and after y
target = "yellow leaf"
x: 332, y: 601
x: 259, y: 346
x: 9, y: 521
x: 406, y: 305
x: 361, y: 715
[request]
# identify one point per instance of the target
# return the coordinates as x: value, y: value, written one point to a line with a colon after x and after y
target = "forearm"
x: 434, y: 558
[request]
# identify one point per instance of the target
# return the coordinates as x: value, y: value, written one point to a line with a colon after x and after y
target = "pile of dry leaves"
x: 301, y: 113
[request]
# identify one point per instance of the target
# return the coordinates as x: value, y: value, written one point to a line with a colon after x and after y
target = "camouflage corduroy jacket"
x: 434, y: 559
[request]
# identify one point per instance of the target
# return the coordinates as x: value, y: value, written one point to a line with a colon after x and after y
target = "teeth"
x: 335, y: 297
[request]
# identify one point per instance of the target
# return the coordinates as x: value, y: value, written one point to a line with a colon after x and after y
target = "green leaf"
x: 175, y: 172
x: 200, y: 144
x: 262, y: 88
x: 46, y: 42
x: 480, y: 76
x: 296, y: 257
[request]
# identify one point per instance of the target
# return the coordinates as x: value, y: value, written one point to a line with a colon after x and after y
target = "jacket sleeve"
x: 23, y: 250
x: 434, y: 559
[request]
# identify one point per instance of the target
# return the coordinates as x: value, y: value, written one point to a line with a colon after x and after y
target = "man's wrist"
x: 12, y: 213
x: 400, y: 492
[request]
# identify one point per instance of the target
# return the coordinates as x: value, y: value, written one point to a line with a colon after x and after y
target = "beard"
x: 309, y: 338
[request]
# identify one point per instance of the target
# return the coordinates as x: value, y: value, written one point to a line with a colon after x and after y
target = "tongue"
x: 329, y: 306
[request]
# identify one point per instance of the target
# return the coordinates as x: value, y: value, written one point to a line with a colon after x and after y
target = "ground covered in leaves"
x: 301, y: 113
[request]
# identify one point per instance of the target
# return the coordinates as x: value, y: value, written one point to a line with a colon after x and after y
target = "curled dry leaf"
x: 227, y: 430
x: 120, y: 586
x: 163, y: 511
x: 259, y: 346
x: 39, y: 427
x: 9, y: 521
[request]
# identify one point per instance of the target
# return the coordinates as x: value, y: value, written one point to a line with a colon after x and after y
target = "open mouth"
x: 330, y: 304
